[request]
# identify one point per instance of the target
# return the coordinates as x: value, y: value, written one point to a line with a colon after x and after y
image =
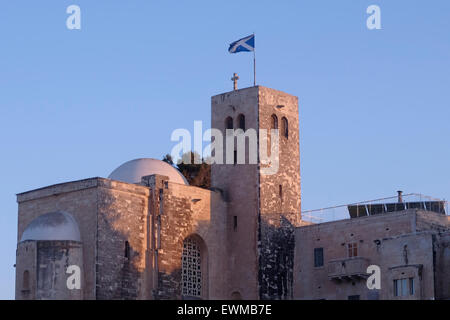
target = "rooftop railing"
x: 376, y: 206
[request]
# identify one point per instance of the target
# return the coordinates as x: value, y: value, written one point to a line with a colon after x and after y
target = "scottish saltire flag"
x: 243, y: 45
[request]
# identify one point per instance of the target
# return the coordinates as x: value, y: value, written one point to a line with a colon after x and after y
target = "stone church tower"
x: 262, y: 209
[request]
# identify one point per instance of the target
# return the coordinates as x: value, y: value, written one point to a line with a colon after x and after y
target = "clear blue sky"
x: 374, y: 105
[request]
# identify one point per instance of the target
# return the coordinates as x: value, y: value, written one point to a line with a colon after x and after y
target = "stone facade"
x: 242, y: 239
x: 410, y: 244
x: 262, y: 208
x: 132, y: 246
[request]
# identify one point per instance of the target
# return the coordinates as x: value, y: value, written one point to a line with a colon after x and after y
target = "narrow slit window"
x: 229, y: 123
x: 241, y: 122
x: 285, y: 127
x: 411, y: 286
x: 127, y: 250
x: 26, y: 280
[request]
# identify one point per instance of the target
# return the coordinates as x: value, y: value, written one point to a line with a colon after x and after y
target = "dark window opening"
x: 318, y: 257
x: 235, y: 223
x: 235, y: 157
x: 229, y: 123
x: 127, y: 250
x: 280, y: 192
x: 285, y: 127
x: 241, y: 122
x: 274, y: 122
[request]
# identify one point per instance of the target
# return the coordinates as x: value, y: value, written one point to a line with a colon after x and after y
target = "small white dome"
x: 52, y: 226
x: 133, y: 171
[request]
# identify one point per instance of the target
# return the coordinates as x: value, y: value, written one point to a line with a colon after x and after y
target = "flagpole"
x: 254, y: 61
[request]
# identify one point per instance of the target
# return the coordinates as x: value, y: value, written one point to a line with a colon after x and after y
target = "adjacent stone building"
x: 407, y: 241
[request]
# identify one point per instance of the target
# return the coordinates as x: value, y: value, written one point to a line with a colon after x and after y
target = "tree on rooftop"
x: 197, y: 174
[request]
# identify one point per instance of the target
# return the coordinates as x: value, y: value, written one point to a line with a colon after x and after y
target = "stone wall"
x: 276, y: 257
x: 287, y: 199
x: 122, y: 212
x: 404, y: 257
x: 26, y: 262
x: 182, y: 212
x: 312, y: 282
x: 280, y: 198
x: 427, y: 220
x: 402, y: 243
x: 78, y: 198
x: 442, y: 265
x: 257, y: 248
x: 239, y: 183
x: 53, y: 259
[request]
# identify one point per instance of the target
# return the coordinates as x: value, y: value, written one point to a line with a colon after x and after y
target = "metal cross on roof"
x: 235, y: 80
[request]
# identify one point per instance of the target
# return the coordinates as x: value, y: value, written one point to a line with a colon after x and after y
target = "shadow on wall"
x: 126, y: 270
x: 276, y: 261
x: 120, y: 259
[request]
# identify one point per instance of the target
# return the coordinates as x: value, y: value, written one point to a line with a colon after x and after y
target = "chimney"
x: 400, y: 196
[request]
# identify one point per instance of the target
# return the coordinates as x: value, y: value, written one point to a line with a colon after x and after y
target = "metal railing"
x: 340, y: 212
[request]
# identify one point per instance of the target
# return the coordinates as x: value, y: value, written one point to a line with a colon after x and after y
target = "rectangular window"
x: 404, y: 287
x: 318, y: 257
x: 235, y: 223
x: 396, y: 288
x: 352, y: 250
x: 401, y: 287
x: 411, y: 286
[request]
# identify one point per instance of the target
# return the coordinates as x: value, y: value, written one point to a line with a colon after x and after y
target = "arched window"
x: 26, y: 280
x: 274, y: 122
x: 241, y: 122
x: 229, y: 123
x: 236, y: 295
x: 285, y: 127
x: 191, y: 268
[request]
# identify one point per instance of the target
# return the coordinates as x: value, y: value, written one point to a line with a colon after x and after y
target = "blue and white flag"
x: 243, y: 45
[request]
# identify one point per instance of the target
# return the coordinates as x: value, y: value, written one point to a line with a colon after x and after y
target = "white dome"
x: 133, y: 171
x: 52, y: 226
